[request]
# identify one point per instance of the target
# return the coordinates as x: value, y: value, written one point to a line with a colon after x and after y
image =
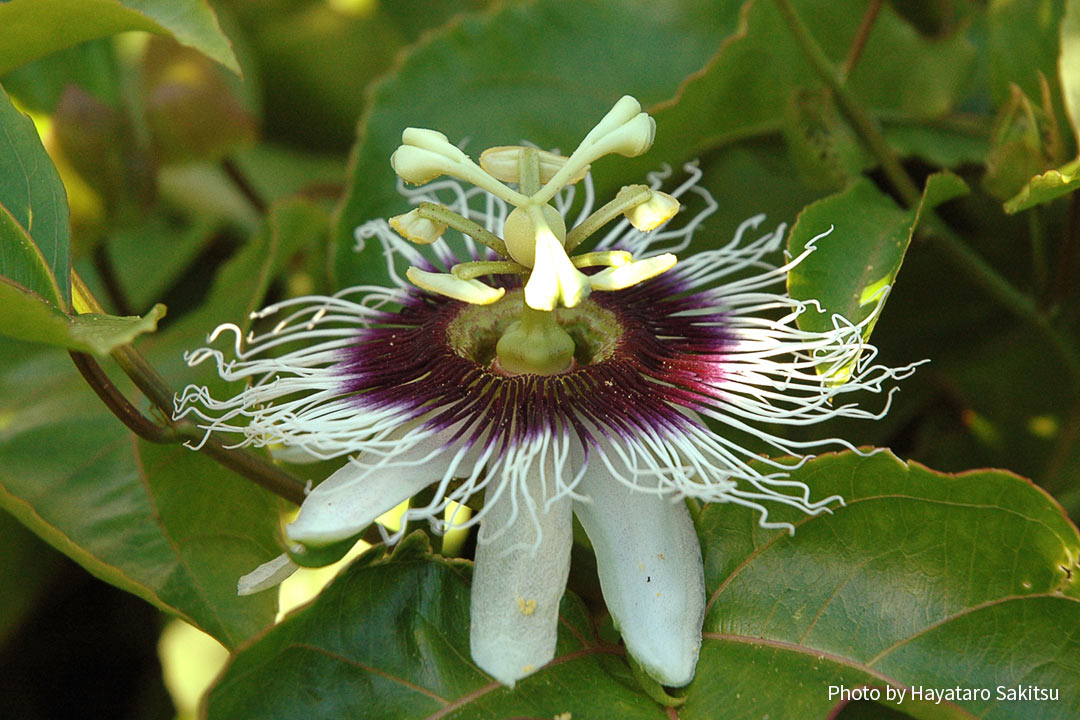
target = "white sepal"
x: 522, y: 562
x: 649, y: 562
x: 349, y: 500
x: 269, y: 574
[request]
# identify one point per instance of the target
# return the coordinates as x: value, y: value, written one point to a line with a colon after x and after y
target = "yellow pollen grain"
x: 526, y: 607
x: 641, y: 566
x: 661, y: 556
x: 528, y: 668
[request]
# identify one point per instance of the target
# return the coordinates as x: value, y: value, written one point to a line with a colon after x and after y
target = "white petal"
x: 649, y: 561
x: 267, y: 575
x: 516, y: 589
x: 350, y: 499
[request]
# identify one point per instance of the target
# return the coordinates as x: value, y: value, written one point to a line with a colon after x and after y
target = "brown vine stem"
x: 861, y: 36
x: 248, y: 464
x: 944, y: 238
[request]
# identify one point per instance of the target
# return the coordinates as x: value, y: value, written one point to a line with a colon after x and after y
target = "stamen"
x: 470, y: 291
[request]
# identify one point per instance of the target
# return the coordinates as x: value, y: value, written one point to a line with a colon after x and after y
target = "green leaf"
x: 1022, y: 42
x: 923, y: 579
x: 149, y: 258
x: 743, y: 90
x: 35, y: 28
x: 1069, y: 64
x: 522, y: 72
x: 26, y: 316
x: 1044, y: 188
x: 35, y: 203
x: 31, y: 565
x: 390, y: 639
x: 161, y: 522
x: 858, y: 260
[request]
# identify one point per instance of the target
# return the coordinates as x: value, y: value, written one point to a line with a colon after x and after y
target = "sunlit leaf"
x: 26, y: 316
x: 1044, y: 188
x: 34, y: 28
x: 855, y: 264
x: 35, y: 203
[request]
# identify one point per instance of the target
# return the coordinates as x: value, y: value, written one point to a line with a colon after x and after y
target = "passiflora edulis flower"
x: 508, y: 367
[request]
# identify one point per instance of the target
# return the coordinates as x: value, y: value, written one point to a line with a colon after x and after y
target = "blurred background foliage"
x: 212, y: 192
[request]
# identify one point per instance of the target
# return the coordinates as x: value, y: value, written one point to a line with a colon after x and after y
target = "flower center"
x: 593, y: 333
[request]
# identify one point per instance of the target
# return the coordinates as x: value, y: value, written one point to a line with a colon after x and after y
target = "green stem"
x: 446, y: 216
x: 861, y: 36
x: 628, y: 197
x: 119, y: 405
x: 478, y: 268
x: 860, y: 120
x: 977, y: 269
x: 254, y: 467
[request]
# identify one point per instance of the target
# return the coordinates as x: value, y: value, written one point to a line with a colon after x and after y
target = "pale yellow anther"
x: 625, y: 130
x: 417, y: 229
x: 426, y: 154
x: 654, y: 212
x: 504, y: 163
x: 554, y: 280
x: 417, y: 165
x: 625, y: 109
x: 624, y: 276
x: 470, y: 291
x: 630, y: 139
x: 434, y: 141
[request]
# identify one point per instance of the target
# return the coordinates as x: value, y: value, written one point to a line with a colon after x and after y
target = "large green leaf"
x: 35, y: 203
x: 159, y: 521
x: 542, y: 71
x: 745, y: 87
x: 389, y: 639
x: 923, y: 579
x: 35, y: 28
x: 855, y: 263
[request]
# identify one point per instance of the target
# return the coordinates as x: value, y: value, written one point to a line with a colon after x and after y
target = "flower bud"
x: 504, y: 163
x: 417, y: 229
x: 654, y: 212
